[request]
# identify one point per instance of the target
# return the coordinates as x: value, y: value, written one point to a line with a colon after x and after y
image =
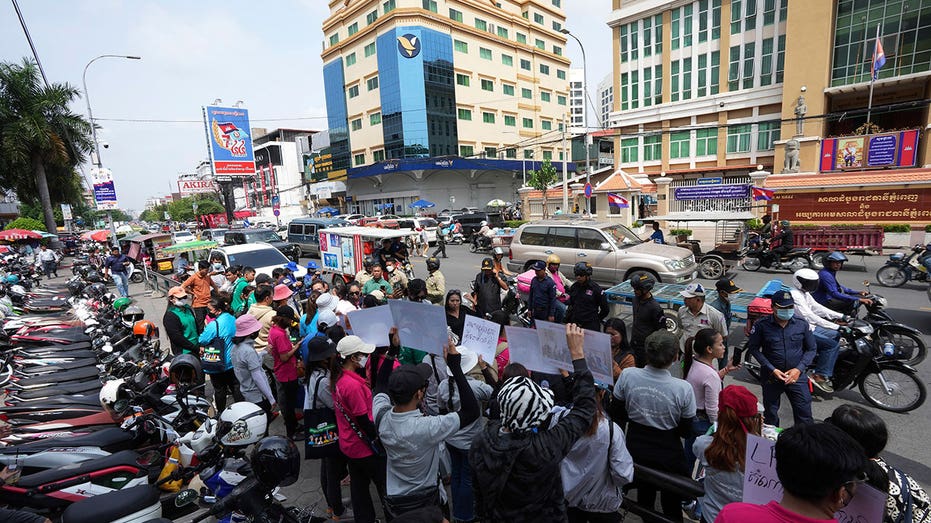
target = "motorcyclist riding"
x: 831, y: 293
x: 482, y: 238
x: 824, y: 324
x: 787, y: 239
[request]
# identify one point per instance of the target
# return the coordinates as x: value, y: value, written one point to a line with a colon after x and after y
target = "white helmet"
x: 484, y: 223
x: 241, y: 424
x: 806, y: 280
x: 111, y: 392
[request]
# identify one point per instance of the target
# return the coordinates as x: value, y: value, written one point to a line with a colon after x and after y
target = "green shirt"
x: 188, y: 323
x: 373, y: 284
x: 236, y: 304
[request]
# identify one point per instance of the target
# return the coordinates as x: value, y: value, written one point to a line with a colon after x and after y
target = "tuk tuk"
x: 200, y: 248
x: 343, y: 249
x: 152, y: 246
x: 730, y: 236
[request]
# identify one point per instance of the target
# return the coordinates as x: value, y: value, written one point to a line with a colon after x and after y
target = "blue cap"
x: 312, y: 265
x: 783, y: 299
x: 291, y: 266
x: 539, y: 265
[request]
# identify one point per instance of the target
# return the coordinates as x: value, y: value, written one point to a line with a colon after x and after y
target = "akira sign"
x: 898, y: 149
x: 189, y: 187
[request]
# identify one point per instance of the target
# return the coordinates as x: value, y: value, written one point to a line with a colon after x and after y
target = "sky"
x: 266, y: 54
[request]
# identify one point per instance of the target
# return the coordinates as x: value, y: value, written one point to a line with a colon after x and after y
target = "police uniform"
x: 436, y: 287
x: 587, y: 305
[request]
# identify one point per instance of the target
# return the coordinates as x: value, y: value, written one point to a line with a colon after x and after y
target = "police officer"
x: 363, y: 276
x: 587, y: 303
x: 542, y: 300
x: 487, y: 287
x: 441, y: 232
x: 785, y: 347
x: 436, y: 282
x: 648, y: 316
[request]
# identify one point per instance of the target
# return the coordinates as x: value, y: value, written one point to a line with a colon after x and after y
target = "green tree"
x: 29, y: 224
x: 541, y: 179
x: 41, y: 139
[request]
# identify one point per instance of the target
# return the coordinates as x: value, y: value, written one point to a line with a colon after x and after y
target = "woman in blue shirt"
x: 223, y: 327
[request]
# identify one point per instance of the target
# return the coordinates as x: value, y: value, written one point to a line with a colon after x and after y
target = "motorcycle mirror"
x: 866, y: 283
x: 186, y: 497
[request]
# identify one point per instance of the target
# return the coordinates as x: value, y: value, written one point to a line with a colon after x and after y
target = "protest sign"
x: 372, y: 325
x: 553, y: 344
x: 524, y: 348
x: 598, y: 356
x: 421, y: 326
x: 481, y: 336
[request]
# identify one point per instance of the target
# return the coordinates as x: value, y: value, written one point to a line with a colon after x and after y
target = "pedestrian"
x: 179, y: 323
x: 542, y: 300
x: 587, y: 305
x: 657, y: 235
x: 442, y: 233
x: 200, y: 286
x: 181, y: 265
x: 115, y: 267
x: 377, y: 282
x: 697, y: 314
x: 217, y: 270
x: 363, y: 276
x: 824, y: 324
x: 657, y: 422
x: 237, y: 304
x: 264, y: 312
x: 343, y: 304
x: 819, y: 467
x: 396, y: 278
x: 247, y: 365
x: 224, y: 328
x: 785, y: 348
x: 648, y: 316
x: 283, y: 350
x: 516, y: 459
x: 230, y: 279
x: 725, y: 287
x: 48, y: 260
x: 562, y: 286
x: 424, y: 242
x: 487, y: 287
x: 436, y: 282
x: 698, y: 370
x: 456, y: 312
x: 622, y: 355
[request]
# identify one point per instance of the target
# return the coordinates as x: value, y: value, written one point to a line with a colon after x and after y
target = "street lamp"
x: 90, y: 115
x: 588, y: 168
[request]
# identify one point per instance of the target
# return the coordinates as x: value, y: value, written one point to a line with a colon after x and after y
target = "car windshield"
x: 263, y: 236
x: 621, y: 235
x: 183, y: 233
x: 258, y: 258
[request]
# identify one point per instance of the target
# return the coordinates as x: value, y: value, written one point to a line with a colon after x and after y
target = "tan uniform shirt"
x: 436, y: 287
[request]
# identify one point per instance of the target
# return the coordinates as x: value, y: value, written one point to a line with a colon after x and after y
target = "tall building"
x: 605, y: 100
x: 279, y: 166
x: 443, y: 100
x: 577, y: 105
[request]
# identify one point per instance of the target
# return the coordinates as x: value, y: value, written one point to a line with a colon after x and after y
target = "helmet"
x: 836, y: 256
x: 484, y: 223
x: 145, y: 328
x: 582, y: 269
x: 499, y: 251
x: 276, y: 461
x: 433, y: 263
x: 108, y: 297
x: 131, y: 315
x: 785, y: 223
x: 121, y: 303
x: 368, y: 263
x: 96, y: 290
x: 185, y: 369
x: 552, y: 258
x: 93, y: 276
x: 642, y: 282
x: 241, y: 424
x: 111, y: 392
x: 806, y: 280
x: 12, y: 279
x: 75, y: 287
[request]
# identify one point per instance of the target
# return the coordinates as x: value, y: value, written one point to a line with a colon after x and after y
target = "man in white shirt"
x: 823, y: 325
x: 49, y: 261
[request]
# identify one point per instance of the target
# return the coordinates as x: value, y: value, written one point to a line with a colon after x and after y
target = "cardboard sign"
x: 524, y: 348
x: 421, y: 326
x: 372, y: 325
x: 481, y: 336
x: 598, y: 356
x: 553, y: 344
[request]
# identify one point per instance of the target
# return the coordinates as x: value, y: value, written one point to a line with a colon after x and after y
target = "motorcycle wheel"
x: 893, y: 389
x: 891, y: 276
x: 798, y: 264
x: 672, y: 321
x: 137, y: 277
x: 473, y: 248
x: 711, y: 268
x: 817, y: 260
x: 751, y: 264
x: 901, y: 338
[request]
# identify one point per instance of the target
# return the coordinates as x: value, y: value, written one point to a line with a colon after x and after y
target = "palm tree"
x: 39, y: 134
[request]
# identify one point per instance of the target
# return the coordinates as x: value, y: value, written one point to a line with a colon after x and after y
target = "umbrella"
x: 422, y: 204
x: 45, y: 234
x: 99, y: 235
x: 328, y: 210
x: 497, y: 203
x: 124, y: 228
x: 12, y: 235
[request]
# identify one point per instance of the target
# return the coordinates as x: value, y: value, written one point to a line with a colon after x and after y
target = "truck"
x: 851, y: 239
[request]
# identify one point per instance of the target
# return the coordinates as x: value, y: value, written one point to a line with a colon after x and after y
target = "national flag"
x: 760, y: 193
x: 879, y: 58
x: 616, y: 200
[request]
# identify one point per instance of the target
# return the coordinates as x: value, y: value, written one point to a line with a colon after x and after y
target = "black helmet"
x: 582, y: 269
x: 185, y: 369
x: 96, y: 290
x: 276, y: 461
x: 75, y: 287
x: 642, y: 282
x: 93, y: 276
x: 131, y: 315
x: 433, y: 263
x: 368, y: 262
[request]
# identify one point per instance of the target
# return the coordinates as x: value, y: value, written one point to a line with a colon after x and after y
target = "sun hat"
x: 291, y: 266
x: 326, y: 301
x: 327, y: 317
x: 282, y: 292
x: 177, y: 292
x: 247, y: 324
x: 469, y: 359
x: 320, y: 348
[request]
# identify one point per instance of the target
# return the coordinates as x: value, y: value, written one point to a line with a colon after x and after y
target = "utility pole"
x: 565, y: 168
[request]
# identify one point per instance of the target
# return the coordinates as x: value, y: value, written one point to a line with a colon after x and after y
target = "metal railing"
x: 158, y: 283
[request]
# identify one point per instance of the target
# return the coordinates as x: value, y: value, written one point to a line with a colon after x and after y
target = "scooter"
x: 753, y: 259
x: 514, y: 305
x: 480, y: 243
x: 901, y: 269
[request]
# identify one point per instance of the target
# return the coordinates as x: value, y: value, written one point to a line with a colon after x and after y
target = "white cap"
x: 350, y: 345
x: 693, y: 290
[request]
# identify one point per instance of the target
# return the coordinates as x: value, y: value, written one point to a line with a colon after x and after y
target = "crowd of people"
x: 464, y: 439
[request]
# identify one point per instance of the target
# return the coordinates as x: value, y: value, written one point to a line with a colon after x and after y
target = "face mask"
x: 362, y: 359
x: 182, y: 303
x: 785, y: 314
x: 390, y: 268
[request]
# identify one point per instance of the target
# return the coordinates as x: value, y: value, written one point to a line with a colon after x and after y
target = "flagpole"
x: 869, y: 107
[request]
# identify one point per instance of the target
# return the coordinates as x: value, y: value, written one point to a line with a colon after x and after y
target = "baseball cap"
x: 538, y: 265
x: 282, y: 292
x: 326, y: 301
x: 350, y: 345
x: 739, y: 399
x: 285, y: 312
x: 783, y: 299
x: 726, y: 285
x: 378, y: 295
x: 693, y: 290
x: 177, y: 292
x: 247, y: 324
x: 408, y: 379
x: 320, y: 348
x: 327, y: 317
x: 488, y: 264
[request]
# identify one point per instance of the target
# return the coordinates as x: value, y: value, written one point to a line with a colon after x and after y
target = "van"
x: 303, y: 233
x: 614, y: 251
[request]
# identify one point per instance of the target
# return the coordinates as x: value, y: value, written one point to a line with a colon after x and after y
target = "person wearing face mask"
x: 247, y: 365
x: 179, y: 323
x: 785, y: 347
x: 396, y: 278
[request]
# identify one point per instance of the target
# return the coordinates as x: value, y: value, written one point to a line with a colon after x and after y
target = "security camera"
x: 105, y: 145
x: 721, y: 104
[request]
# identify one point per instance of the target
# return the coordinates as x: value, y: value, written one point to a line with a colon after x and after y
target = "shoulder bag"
x: 375, y: 445
x: 321, y: 437
x: 212, y: 360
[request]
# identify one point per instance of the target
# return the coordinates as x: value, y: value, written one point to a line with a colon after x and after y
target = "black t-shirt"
x: 487, y: 293
x: 648, y: 318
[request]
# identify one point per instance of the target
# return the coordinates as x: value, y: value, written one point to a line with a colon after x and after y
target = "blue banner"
x: 229, y: 142
x: 104, y: 191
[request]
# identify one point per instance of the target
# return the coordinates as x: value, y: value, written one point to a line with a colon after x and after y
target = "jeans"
x: 828, y: 344
x: 799, y: 396
x: 560, y: 313
x: 50, y: 267
x: 363, y: 471
x: 463, y: 498
x: 121, y: 279
x: 287, y: 402
x: 699, y: 427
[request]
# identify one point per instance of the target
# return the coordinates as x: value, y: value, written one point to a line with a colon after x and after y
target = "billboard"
x: 875, y: 150
x: 712, y: 192
x: 229, y: 143
x: 189, y: 187
x: 104, y: 192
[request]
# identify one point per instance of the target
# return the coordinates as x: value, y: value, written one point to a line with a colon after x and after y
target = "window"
x: 647, y: 36
x: 429, y: 5
x: 766, y: 64
x: 389, y: 6
x: 375, y: 118
x: 782, y: 10
x: 634, y: 89
x: 371, y: 17
x: 528, y: 154
x: 462, y: 47
x: 624, y: 51
x: 687, y: 25
x: 455, y: 15
x: 679, y: 144
x: 379, y: 155
x: 510, y: 121
x: 350, y: 59
x: 749, y: 49
x: 769, y: 12
x: 557, y: 50
x: 491, y: 152
x: 625, y: 87
x: 481, y: 24
x: 703, y: 21
x: 370, y: 49
x: 647, y: 87
x: 735, y: 16
x: 750, y: 15
x: 706, y: 142
x: 629, y: 149
x: 525, y: 64
x: 658, y: 34
x: 634, y: 43
x: 768, y: 132
x: 533, y: 236
x: 353, y: 91
x: 715, y: 19
x: 334, y: 39
x: 674, y: 81
x: 557, y: 26
x: 507, y: 89
x: 557, y: 3
x: 540, y: 44
x: 521, y: 38
x: 372, y: 83
x: 545, y: 96
x: 465, y: 114
x: 560, y: 99
x: 484, y: 53
x: 687, y: 78
x: 702, y: 75
x: 502, y: 32
x: 738, y: 138
x: 538, y: 18
x: 676, y: 14
x: 466, y: 150
x: 526, y: 93
x: 548, y: 155
x: 715, y: 71
x: 653, y: 148
x: 510, y: 153
x: 462, y: 79
x: 546, y: 125
x: 733, y: 72
x: 528, y: 123
x: 544, y: 69
x: 356, y: 124
x: 488, y: 117
x: 507, y: 60
x: 358, y: 159
x: 353, y: 29
x: 780, y: 58
x: 657, y: 84
x: 488, y: 85
x: 561, y: 74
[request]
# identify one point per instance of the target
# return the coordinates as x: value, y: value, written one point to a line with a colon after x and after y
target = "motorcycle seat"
x: 127, y: 458
x: 79, y: 374
x: 112, y: 506
x: 110, y: 438
x: 800, y: 250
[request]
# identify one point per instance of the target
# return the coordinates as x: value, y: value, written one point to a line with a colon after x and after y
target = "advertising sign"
x: 189, y: 187
x: 104, y: 192
x: 230, y: 145
x: 875, y: 150
x: 888, y: 205
x: 712, y: 192
x: 66, y: 211
x: 320, y: 166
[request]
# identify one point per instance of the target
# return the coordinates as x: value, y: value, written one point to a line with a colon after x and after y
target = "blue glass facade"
x: 334, y: 84
x: 418, y: 95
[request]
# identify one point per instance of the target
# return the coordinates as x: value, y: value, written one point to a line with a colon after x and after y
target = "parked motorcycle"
x: 901, y: 269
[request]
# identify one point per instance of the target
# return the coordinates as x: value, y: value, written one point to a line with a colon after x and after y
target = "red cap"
x: 739, y: 399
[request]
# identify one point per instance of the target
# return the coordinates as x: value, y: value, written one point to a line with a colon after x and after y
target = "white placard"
x: 372, y: 325
x: 553, y: 344
x: 524, y: 348
x: 598, y: 356
x: 421, y: 326
x: 481, y: 336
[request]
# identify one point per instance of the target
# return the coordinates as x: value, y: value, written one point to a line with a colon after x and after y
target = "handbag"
x: 301, y: 369
x: 321, y: 437
x: 905, y: 515
x: 375, y: 445
x: 212, y: 360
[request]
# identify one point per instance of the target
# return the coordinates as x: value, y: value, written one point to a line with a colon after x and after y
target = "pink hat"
x: 282, y: 292
x: 247, y: 324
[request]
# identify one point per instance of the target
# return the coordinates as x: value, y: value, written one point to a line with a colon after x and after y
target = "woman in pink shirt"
x: 352, y: 401
x: 699, y: 370
x: 283, y: 352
